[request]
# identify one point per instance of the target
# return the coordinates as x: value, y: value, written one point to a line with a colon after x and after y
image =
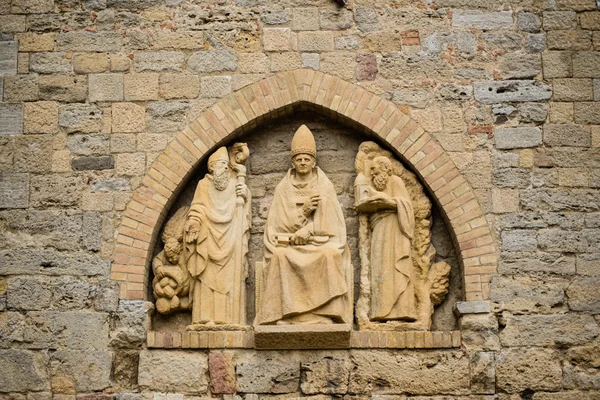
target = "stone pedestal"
x: 303, y: 337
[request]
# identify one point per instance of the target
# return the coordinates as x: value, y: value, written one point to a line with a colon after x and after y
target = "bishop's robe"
x: 310, y: 278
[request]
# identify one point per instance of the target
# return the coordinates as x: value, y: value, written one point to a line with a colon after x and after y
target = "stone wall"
x: 92, y: 91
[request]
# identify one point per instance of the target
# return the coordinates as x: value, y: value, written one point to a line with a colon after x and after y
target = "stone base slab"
x: 277, y: 337
x: 298, y: 337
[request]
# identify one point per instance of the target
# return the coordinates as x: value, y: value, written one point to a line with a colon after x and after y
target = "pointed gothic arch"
x: 275, y: 96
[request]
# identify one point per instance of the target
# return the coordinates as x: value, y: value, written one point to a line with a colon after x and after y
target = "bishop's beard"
x: 380, y: 181
x: 221, y: 179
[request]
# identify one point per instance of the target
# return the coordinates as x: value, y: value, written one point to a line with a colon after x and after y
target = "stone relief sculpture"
x: 206, y: 246
x: 306, y: 270
x: 400, y: 284
x: 171, y: 283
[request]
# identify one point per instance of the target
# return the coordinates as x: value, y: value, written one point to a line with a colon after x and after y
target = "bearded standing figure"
x: 392, y: 227
x: 306, y: 255
x: 211, y: 239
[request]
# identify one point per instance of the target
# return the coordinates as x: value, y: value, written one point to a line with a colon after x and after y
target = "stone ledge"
x: 472, y: 307
x: 337, y: 339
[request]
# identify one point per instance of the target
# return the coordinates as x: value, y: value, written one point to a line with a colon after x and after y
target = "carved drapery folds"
x: 399, y: 283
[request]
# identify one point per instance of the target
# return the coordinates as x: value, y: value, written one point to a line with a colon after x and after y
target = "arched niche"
x: 279, y: 96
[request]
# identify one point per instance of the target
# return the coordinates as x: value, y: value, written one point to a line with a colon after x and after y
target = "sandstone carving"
x: 171, y: 283
x: 215, y: 237
x: 307, y: 270
x: 400, y: 284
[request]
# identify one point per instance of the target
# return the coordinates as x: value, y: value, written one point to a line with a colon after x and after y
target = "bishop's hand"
x: 301, y: 236
x: 192, y: 227
x: 311, y: 205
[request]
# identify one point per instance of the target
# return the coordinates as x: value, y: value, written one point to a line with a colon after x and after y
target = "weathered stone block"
x: 548, y: 330
x: 492, y: 92
x: 511, y: 177
x: 23, y: 371
x: 85, y: 41
x: 173, y: 371
x: 159, y: 61
x: 277, y: 39
x: 21, y: 87
x: 63, y: 88
x: 285, y: 61
x: 31, y: 6
x: 253, y: 63
x: 87, y: 370
x: 579, y: 89
x: 534, y: 369
x: 213, y: 61
x: 106, y: 87
x: 482, y: 20
x: 107, y: 296
x: 222, y: 372
x: 97, y: 201
x: 533, y: 112
x: 88, y: 144
x: 275, y: 17
x: 582, y: 241
x: 535, y: 43
x: 315, y: 41
x: 305, y: 19
x: 326, y: 376
x: 80, y: 118
x: 336, y: 20
x: 215, y: 86
x: 575, y: 40
x: 166, y: 116
x: 92, y: 163
x: 518, y: 138
x: 581, y: 377
x: 505, y: 200
x: 142, y: 86
x: 367, y: 19
x: 41, y: 117
x: 529, y: 294
x: 54, y: 190
x: 557, y: 64
x: 152, y: 142
x: 179, y: 86
x: 33, y: 153
x: 14, y: 190
x: 131, y: 164
x: 11, y: 119
x: 310, y: 60
x: 75, y: 330
x: 366, y: 70
x: 483, y: 372
x: 516, y: 263
x: 561, y: 113
x: 347, y: 43
x: 479, y: 332
x: 409, y: 372
x: 585, y: 64
x: 520, y: 65
x: 268, y: 372
x: 519, y: 240
x: 528, y: 22
x: 71, y: 293
x: 575, y: 5
x: 590, y: 20
x: 119, y: 63
x: 28, y: 293
x: 13, y: 23
x: 31, y: 41
x: 128, y: 117
x: 560, y: 20
x: 567, y: 135
x: 586, y: 113
x: 90, y: 63
x: 584, y: 295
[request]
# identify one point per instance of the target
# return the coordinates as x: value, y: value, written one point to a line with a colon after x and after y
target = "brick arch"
x: 275, y: 96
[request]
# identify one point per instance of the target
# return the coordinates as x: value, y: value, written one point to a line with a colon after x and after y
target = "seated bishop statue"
x: 306, y: 260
